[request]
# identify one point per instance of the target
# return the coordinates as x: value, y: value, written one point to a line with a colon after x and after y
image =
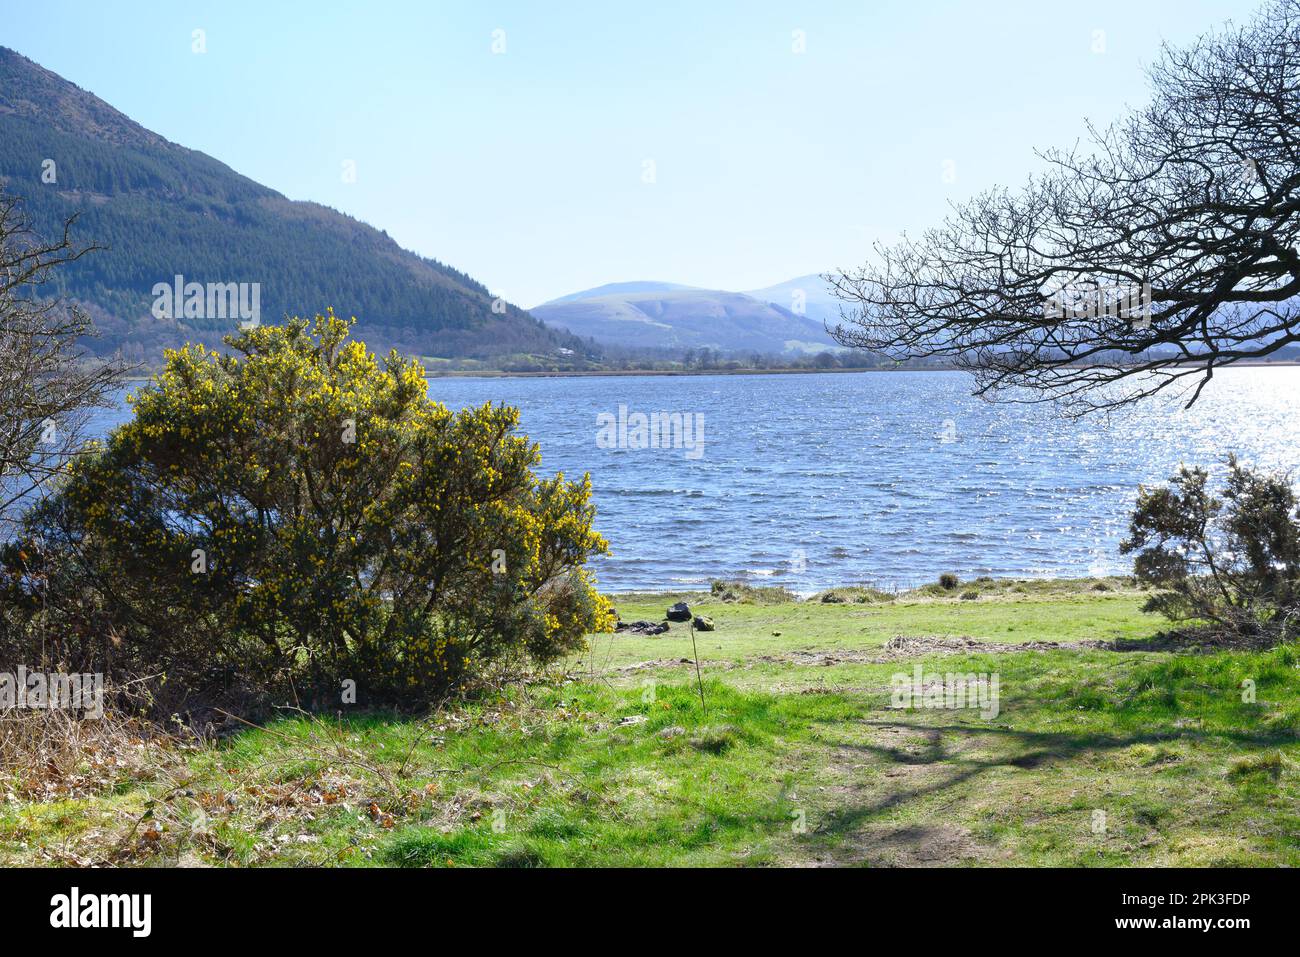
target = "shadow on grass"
x: 1028, y: 750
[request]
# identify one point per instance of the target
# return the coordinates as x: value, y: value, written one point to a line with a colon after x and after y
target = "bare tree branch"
x: 1165, y: 252
x: 48, y: 383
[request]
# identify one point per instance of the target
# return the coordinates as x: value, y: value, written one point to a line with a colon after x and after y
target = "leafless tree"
x: 48, y: 384
x: 1041, y: 292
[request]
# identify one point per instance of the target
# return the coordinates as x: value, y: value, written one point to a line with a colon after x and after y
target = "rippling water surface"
x: 889, y: 478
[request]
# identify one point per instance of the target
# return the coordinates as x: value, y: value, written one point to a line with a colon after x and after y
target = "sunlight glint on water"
x: 890, y: 478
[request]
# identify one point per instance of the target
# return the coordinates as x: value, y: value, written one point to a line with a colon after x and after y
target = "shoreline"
x: 986, y: 583
x: 621, y: 373
x: 588, y: 373
x: 577, y: 374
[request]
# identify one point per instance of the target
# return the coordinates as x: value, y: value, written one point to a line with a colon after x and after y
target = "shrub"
x: 948, y: 581
x: 736, y: 591
x: 299, y: 513
x: 857, y: 594
x: 1231, y: 559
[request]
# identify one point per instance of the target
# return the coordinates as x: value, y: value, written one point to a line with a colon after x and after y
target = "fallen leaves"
x: 380, y: 816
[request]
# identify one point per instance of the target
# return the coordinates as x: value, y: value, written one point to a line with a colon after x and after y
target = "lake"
x: 886, y: 478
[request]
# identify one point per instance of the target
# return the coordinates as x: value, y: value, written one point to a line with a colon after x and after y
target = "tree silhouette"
x: 1164, y: 252
x: 46, y: 386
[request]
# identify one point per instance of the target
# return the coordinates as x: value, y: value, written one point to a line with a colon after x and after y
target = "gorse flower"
x: 346, y: 523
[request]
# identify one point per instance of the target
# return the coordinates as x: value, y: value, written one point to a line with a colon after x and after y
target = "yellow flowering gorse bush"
x: 298, y: 512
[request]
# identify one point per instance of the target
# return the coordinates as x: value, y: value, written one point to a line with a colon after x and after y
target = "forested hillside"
x: 161, y: 210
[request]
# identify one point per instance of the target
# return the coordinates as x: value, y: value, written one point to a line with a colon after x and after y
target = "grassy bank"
x: 1097, y: 756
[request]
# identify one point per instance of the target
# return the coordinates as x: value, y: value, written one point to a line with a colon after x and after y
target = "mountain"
x: 163, y: 210
x: 622, y: 288
x: 669, y: 316
x: 811, y: 293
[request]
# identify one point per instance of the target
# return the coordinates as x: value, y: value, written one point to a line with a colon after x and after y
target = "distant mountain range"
x: 789, y: 317
x: 809, y: 295
x: 163, y: 210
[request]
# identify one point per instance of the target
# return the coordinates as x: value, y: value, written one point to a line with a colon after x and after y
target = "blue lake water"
x: 888, y: 478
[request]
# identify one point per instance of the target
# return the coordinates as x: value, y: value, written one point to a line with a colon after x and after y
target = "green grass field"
x: 1096, y: 757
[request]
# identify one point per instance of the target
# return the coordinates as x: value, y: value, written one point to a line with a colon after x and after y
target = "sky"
x: 548, y: 148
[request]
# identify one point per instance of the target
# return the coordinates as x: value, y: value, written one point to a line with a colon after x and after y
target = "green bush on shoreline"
x: 298, y: 517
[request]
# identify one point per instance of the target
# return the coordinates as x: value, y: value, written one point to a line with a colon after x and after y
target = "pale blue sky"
x: 525, y: 168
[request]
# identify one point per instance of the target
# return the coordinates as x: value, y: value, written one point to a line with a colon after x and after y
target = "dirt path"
x: 864, y: 791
